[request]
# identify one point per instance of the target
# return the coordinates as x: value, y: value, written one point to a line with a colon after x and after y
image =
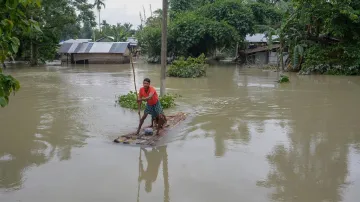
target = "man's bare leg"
x: 165, y: 120
x: 141, y: 123
x: 158, y: 129
x: 152, y: 122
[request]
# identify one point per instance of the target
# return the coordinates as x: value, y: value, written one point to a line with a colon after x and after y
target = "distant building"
x: 95, y: 52
x: 75, y: 41
x: 259, y: 51
x: 133, y: 41
x: 133, y: 44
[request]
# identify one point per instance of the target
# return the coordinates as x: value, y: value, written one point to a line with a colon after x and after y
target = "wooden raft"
x: 142, y: 139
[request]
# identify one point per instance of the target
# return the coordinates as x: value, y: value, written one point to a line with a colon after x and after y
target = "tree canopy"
x: 13, y: 20
x: 319, y: 35
x: 204, y: 26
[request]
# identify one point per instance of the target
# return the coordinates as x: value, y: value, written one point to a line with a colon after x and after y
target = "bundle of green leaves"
x: 129, y: 101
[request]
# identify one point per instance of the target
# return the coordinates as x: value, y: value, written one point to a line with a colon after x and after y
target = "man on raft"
x: 153, y: 106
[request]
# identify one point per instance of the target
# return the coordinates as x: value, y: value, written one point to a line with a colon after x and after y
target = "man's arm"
x: 149, y: 97
x: 152, y: 92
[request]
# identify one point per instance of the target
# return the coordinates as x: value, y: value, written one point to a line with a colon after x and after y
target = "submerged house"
x: 95, y: 53
x: 259, y: 51
x: 75, y: 41
x: 133, y: 42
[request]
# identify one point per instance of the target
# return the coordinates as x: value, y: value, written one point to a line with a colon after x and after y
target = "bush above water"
x: 337, y: 59
x: 129, y: 101
x: 8, y: 85
x: 189, y: 68
x: 283, y: 79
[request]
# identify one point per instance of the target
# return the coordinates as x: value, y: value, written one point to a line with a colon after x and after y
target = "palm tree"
x: 99, y: 4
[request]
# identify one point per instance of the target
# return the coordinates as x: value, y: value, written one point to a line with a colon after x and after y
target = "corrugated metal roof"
x: 73, y: 47
x: 101, y: 47
x: 89, y: 47
x: 261, y: 49
x: 77, y: 49
x: 118, y: 47
x: 65, y: 47
x: 79, y: 40
x: 75, y: 41
x: 256, y: 38
x: 94, y: 47
x: 132, y: 40
x: 81, y: 48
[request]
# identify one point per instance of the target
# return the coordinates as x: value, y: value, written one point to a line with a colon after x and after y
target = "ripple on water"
x: 46, y: 121
x: 42, y: 148
x: 6, y: 157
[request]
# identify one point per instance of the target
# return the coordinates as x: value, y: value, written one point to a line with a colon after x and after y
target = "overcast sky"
x: 126, y: 10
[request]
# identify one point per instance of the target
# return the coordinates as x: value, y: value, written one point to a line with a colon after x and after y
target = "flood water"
x: 247, y: 138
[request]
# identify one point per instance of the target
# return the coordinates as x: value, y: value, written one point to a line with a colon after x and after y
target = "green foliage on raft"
x: 189, y: 68
x: 129, y: 101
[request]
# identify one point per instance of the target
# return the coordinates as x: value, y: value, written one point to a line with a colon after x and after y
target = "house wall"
x: 64, y: 58
x: 261, y: 58
x: 97, y: 58
x: 273, y: 58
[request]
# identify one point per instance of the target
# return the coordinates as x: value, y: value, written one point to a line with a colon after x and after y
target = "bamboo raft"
x: 142, y: 139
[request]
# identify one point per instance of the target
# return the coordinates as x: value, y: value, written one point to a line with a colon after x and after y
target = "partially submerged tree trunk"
x: 282, y: 55
x: 163, y: 47
x: 99, y: 21
x: 33, y: 54
x: 236, y: 50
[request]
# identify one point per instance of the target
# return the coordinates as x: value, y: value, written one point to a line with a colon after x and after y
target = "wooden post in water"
x: 163, y: 47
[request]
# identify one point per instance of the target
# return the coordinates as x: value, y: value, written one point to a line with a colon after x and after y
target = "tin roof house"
x: 75, y: 41
x: 95, y: 52
x: 259, y: 51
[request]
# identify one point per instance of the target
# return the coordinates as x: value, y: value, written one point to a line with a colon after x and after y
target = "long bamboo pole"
x: 137, y: 97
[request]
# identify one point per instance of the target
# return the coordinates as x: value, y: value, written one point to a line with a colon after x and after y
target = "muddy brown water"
x: 247, y: 138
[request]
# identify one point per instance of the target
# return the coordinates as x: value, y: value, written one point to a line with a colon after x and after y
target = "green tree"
x: 99, y: 4
x: 323, y: 35
x: 205, y: 26
x: 118, y: 32
x: 234, y: 13
x: 58, y: 20
x: 193, y: 35
x: 86, y: 31
x: 13, y: 19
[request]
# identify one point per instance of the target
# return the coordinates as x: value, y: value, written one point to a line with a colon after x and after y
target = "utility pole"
x: 163, y: 47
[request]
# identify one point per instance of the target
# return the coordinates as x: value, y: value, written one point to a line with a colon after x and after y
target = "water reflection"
x: 312, y: 121
x: 154, y: 157
x: 41, y: 123
x: 299, y: 174
x: 313, y: 166
x: 232, y: 105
